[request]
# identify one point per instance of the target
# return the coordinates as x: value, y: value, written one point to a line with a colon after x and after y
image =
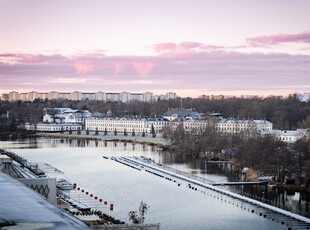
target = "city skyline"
x: 191, y: 48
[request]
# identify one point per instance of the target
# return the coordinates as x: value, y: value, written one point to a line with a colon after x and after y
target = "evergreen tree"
x: 153, y: 131
x: 96, y: 132
x: 105, y: 131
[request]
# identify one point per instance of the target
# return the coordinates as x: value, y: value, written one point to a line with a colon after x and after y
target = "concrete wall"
x: 45, y: 186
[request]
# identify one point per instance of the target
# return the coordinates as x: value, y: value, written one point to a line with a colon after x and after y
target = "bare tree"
x: 139, y: 217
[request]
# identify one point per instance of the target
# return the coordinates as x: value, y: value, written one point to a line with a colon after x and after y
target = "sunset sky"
x: 191, y: 47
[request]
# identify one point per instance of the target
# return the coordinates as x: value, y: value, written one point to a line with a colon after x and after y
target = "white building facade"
x: 138, y: 125
x: 42, y: 127
x: 238, y: 126
x: 116, y: 124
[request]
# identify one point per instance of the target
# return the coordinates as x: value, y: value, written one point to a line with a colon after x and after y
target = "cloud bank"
x: 191, y: 67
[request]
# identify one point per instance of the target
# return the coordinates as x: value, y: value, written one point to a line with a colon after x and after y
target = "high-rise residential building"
x: 88, y: 96
x: 136, y: 97
x: 13, y: 96
x: 53, y: 95
x: 76, y: 96
x: 33, y: 95
x: 113, y: 97
x: 23, y: 97
x: 65, y: 96
x: 101, y: 96
x: 124, y: 97
x: 171, y: 96
x: 5, y: 96
x: 43, y: 96
x: 147, y: 96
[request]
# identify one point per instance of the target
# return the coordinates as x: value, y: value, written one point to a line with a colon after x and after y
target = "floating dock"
x: 292, y: 220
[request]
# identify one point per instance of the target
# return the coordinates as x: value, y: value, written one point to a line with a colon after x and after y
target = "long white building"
x: 43, y: 127
x: 138, y: 125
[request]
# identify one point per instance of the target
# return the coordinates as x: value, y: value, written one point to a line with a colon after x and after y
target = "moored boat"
x: 63, y: 184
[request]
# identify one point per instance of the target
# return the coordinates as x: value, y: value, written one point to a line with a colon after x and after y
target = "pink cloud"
x: 278, y: 38
x: 180, y: 54
x: 30, y: 59
x: 168, y: 46
x: 213, y: 47
x: 143, y: 68
x: 118, y: 68
x: 22, y: 58
x: 83, y: 67
x: 186, y: 49
x: 191, y: 45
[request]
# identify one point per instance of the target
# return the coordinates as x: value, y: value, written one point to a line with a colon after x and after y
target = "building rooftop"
x: 8, y: 167
x: 182, y: 112
x: 23, y: 208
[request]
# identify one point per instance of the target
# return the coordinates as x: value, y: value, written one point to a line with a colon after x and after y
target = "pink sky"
x: 257, y: 47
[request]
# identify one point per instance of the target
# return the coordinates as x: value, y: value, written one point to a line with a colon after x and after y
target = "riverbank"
x: 21, y: 133
x: 156, y: 141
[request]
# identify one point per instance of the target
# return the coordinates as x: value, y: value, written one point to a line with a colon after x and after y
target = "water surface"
x: 174, y: 207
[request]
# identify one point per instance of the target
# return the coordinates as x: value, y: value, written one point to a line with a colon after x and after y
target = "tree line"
x: 289, y: 113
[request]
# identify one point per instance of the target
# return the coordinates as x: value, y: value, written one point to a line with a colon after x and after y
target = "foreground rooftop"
x: 23, y: 208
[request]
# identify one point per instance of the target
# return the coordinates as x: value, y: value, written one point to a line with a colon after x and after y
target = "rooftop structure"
x: 173, y: 114
x: 65, y: 115
x: 8, y: 167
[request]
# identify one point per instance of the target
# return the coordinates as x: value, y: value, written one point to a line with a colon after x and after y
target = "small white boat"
x: 63, y: 184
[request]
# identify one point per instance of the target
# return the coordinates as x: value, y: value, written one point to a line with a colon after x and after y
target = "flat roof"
x: 23, y: 208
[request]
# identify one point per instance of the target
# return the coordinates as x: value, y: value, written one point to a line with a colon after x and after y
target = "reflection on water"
x: 174, y: 207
